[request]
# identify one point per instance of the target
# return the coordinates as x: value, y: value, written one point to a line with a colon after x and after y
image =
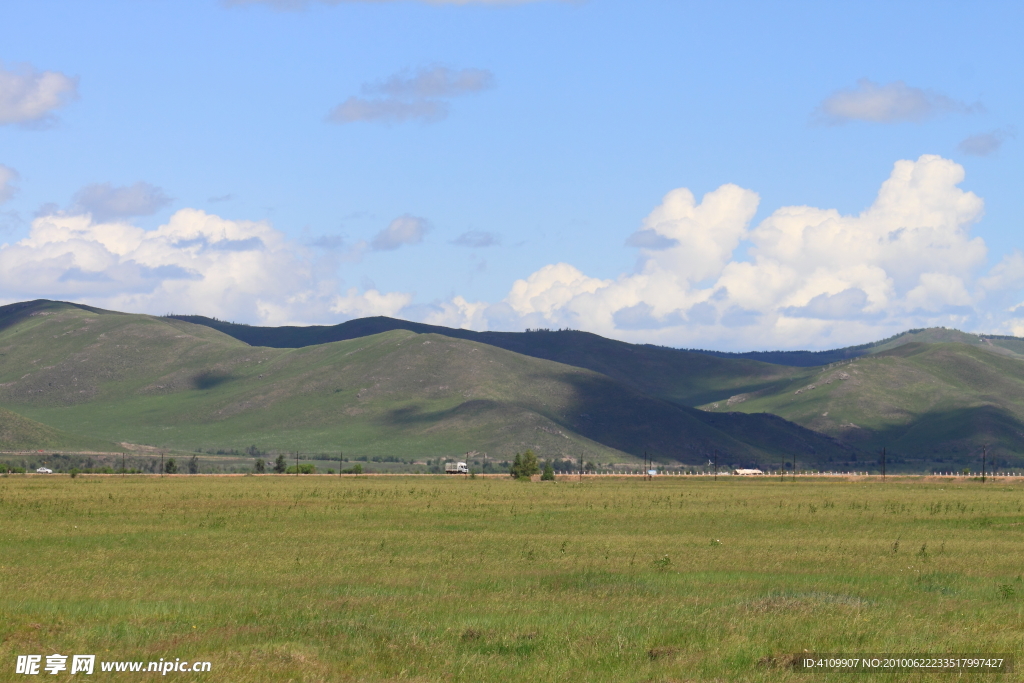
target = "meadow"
x: 405, y: 578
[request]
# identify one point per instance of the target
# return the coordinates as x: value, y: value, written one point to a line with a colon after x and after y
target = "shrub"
x: 355, y: 469
x: 193, y: 465
x: 549, y: 473
x: 74, y: 472
x: 303, y: 468
x: 260, y: 466
x: 171, y: 467
x: 280, y: 465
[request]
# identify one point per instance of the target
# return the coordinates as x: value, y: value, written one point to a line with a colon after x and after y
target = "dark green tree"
x: 193, y: 465
x: 171, y: 467
x: 549, y: 473
x: 524, y: 466
x: 280, y: 465
x: 261, y: 466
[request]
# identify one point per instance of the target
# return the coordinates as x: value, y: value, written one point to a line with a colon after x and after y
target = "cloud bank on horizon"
x: 811, y: 276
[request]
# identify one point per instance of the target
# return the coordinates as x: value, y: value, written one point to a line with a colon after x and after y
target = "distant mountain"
x: 170, y: 383
x: 901, y: 396
x: 933, y: 335
x: 931, y: 405
x: 683, y: 377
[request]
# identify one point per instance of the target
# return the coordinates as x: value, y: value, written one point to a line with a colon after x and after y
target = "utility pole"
x: 883, y: 463
x: 581, y: 467
x: 296, y: 463
x: 984, y: 452
x: 341, y: 458
x: 161, y: 463
x: 716, y: 464
x: 122, y: 463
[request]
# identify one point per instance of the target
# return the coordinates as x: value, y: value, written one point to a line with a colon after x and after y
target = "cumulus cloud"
x: 197, y: 262
x: 810, y: 276
x: 477, y: 239
x: 409, y: 95
x: 890, y: 103
x: 106, y: 202
x: 984, y: 144
x: 405, y: 229
x: 30, y: 96
x: 7, y: 177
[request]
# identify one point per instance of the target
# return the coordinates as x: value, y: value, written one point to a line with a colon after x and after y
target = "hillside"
x: 1012, y: 346
x: 901, y: 395
x: 19, y: 433
x: 683, y: 377
x: 170, y: 383
x: 935, y: 404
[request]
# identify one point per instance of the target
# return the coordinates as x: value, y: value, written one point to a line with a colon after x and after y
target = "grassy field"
x: 432, y: 578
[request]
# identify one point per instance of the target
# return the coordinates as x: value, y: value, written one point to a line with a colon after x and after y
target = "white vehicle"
x: 456, y: 468
x: 43, y: 470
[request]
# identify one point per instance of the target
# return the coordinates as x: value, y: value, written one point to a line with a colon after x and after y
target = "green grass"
x: 18, y: 433
x: 433, y: 578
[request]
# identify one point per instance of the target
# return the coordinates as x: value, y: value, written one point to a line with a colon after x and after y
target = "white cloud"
x: 984, y: 144
x: 811, y: 277
x: 7, y: 177
x: 196, y: 263
x: 403, y: 230
x: 30, y: 96
x: 889, y: 103
x: 106, y: 202
x: 407, y: 96
x: 1008, y: 274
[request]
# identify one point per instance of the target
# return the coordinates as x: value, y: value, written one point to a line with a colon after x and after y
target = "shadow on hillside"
x: 12, y: 314
x: 621, y: 418
x: 955, y: 438
x: 210, y: 379
x: 411, y: 416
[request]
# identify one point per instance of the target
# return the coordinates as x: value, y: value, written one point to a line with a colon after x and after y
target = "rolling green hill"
x: 929, y: 404
x: 683, y: 377
x: 170, y: 383
x: 19, y: 433
x: 934, y: 397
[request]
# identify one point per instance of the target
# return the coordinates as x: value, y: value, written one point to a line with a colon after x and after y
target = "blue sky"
x: 726, y: 175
